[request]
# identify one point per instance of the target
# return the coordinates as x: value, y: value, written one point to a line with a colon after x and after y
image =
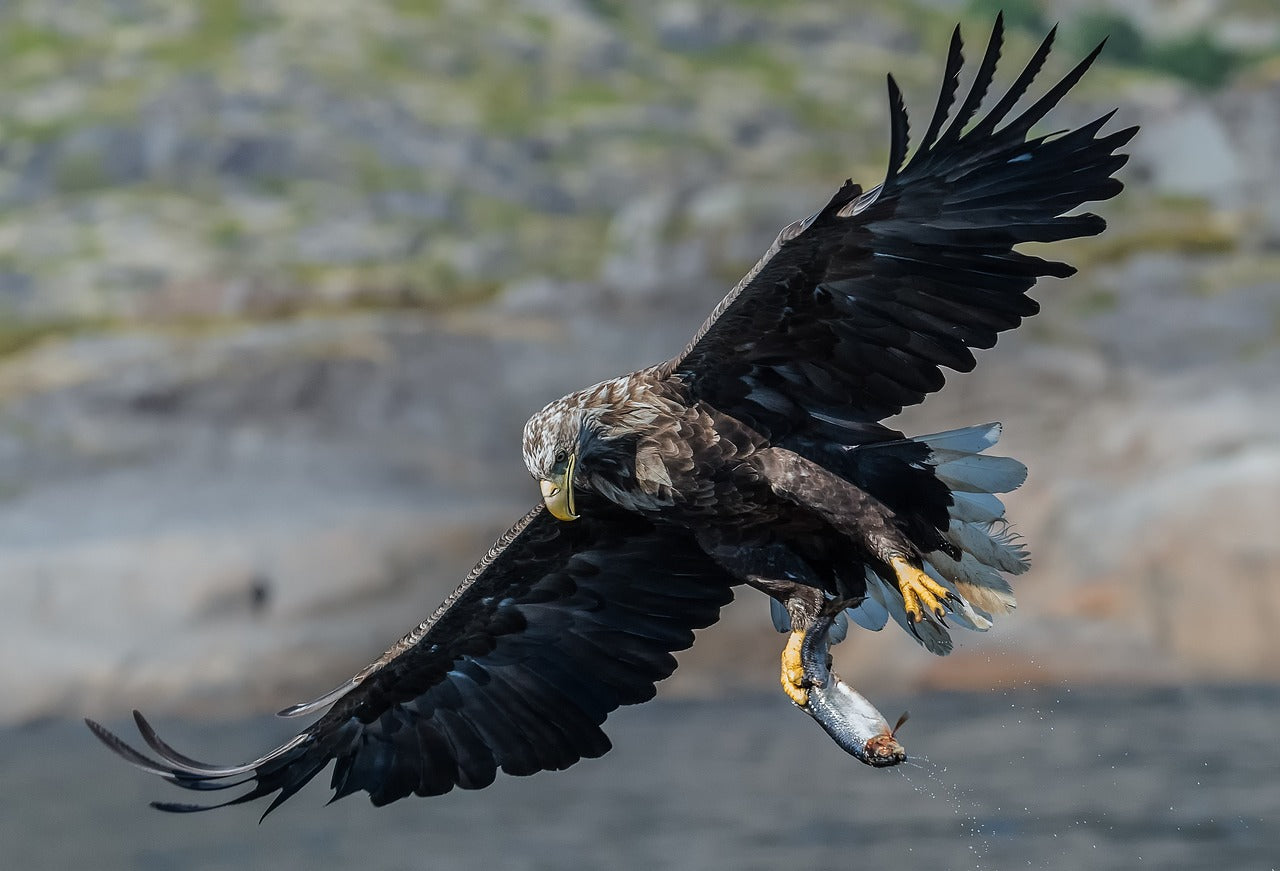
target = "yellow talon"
x: 793, y: 670
x: 920, y: 593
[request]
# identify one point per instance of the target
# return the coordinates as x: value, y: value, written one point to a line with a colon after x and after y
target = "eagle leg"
x: 803, y: 603
x: 862, y: 517
x: 780, y: 574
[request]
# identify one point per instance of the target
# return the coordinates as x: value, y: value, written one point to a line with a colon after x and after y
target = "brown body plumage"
x: 645, y: 444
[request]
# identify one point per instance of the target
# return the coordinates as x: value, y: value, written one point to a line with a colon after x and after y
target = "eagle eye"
x: 561, y: 456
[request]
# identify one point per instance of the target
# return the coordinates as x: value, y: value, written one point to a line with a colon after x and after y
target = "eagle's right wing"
x: 556, y: 627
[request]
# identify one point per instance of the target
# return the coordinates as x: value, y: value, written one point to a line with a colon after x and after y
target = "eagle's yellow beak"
x: 557, y: 492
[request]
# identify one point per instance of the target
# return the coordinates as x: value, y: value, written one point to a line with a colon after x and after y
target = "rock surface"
x: 278, y: 297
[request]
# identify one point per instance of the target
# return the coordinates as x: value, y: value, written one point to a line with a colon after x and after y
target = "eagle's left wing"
x: 853, y: 312
x: 557, y: 626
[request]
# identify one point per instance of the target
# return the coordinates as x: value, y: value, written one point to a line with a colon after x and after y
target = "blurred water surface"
x: 1053, y: 778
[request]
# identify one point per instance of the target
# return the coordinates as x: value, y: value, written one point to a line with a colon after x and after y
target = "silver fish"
x: 847, y: 716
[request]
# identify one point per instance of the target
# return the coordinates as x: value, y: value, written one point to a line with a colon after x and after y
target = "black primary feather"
x: 978, y: 90
x: 950, y: 82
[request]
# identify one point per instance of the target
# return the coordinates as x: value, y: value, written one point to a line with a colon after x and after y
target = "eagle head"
x: 588, y: 439
x: 552, y: 443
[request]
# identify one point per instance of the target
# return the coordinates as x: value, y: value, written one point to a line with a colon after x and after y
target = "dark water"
x: 1065, y: 778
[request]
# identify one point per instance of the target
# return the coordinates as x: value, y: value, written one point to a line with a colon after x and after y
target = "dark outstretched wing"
x: 557, y: 626
x: 852, y: 312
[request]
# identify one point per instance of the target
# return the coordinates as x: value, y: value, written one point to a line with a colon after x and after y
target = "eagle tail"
x: 978, y: 530
x: 978, y: 548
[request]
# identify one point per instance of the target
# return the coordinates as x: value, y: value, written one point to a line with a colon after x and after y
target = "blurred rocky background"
x: 280, y: 281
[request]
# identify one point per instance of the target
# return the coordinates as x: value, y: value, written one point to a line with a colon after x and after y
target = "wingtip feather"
x: 946, y: 92
x: 899, y: 129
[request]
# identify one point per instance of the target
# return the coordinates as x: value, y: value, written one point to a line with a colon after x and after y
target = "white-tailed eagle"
x: 757, y: 455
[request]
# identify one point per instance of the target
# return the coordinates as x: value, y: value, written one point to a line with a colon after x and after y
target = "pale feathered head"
x: 551, y: 435
x: 592, y: 431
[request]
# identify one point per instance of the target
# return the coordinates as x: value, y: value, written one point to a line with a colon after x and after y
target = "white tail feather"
x: 982, y: 585
x: 967, y: 440
x: 977, y: 473
x: 993, y: 548
x: 965, y: 614
x: 976, y: 507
